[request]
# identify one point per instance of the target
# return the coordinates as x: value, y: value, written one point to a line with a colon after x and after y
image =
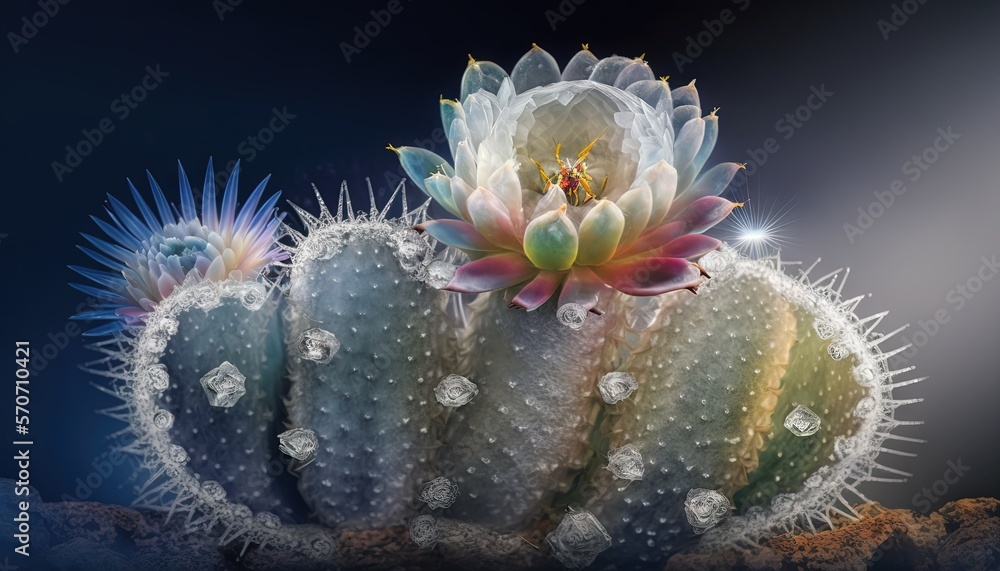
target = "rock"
x: 964, y: 534
x: 973, y: 540
x: 82, y: 554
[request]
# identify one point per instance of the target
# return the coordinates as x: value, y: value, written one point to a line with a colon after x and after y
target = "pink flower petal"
x: 494, y: 272
x: 688, y: 246
x: 583, y: 287
x: 538, y: 290
x: 461, y: 235
x: 652, y: 239
x: 704, y: 213
x: 492, y: 220
x: 650, y: 276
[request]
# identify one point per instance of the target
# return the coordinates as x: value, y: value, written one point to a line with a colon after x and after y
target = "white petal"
x: 661, y: 178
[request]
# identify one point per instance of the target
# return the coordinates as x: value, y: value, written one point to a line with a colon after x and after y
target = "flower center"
x: 571, y: 177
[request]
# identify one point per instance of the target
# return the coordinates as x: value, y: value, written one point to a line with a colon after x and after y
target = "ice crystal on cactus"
x: 578, y: 540
x: 705, y: 508
x: 439, y: 493
x: 423, y: 531
x: 615, y: 204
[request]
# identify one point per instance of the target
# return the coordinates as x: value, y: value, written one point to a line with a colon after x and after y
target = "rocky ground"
x: 964, y: 534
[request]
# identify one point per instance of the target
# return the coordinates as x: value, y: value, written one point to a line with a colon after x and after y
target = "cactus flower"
x: 624, y: 210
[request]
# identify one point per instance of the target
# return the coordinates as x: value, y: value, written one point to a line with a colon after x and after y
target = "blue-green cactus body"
x: 372, y: 406
x: 527, y: 433
x: 234, y: 446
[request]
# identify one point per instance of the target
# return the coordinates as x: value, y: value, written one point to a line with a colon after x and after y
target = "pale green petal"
x: 551, y: 241
x: 636, y: 206
x: 600, y: 232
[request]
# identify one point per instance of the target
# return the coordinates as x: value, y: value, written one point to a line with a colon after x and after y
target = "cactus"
x: 572, y: 361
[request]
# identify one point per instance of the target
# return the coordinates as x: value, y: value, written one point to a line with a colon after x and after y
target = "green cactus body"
x: 709, y: 377
x: 826, y: 386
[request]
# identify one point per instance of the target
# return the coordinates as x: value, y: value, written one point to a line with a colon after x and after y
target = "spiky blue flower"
x: 151, y: 253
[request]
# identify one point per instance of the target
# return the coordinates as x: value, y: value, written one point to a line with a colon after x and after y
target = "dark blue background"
x: 227, y: 74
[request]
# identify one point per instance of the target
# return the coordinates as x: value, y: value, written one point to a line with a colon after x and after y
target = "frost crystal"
x: 299, y: 443
x: 423, y: 531
x: 163, y: 419
x: 157, y: 377
x: 864, y: 407
x: 268, y: 520
x: 783, y: 504
x: 177, y: 453
x: 705, y: 508
x: 572, y: 315
x: 714, y: 261
x: 207, y: 297
x: 864, y: 376
x: 154, y: 342
x: 410, y: 252
x: 578, y: 540
x: 617, y: 386
x: 626, y: 463
x: 838, y: 351
x: 844, y: 445
x: 254, y: 295
x: 322, y: 547
x: 802, y: 421
x: 455, y: 390
x: 317, y: 345
x: 439, y: 493
x: 224, y: 385
x: 214, y: 490
x: 439, y: 274
x: 825, y: 329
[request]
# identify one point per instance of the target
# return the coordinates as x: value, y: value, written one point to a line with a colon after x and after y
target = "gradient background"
x: 890, y: 96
